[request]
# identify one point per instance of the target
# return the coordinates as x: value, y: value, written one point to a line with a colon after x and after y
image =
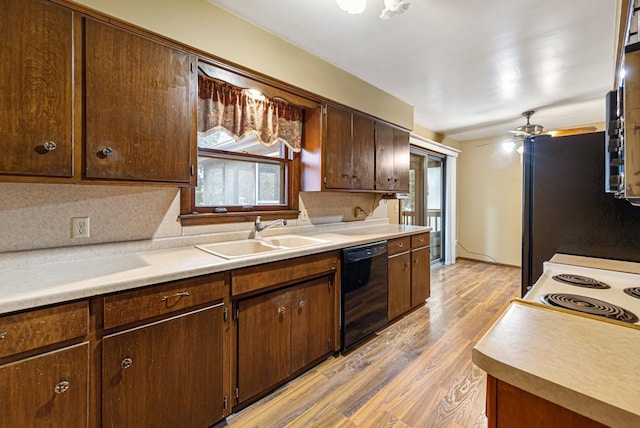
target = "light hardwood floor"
x: 416, y: 373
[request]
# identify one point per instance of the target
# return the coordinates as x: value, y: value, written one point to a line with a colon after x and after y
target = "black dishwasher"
x: 364, y: 292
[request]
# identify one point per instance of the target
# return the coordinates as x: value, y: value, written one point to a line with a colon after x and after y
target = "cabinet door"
x: 401, y: 160
x: 399, y: 283
x: 338, y: 167
x: 138, y: 107
x: 392, y: 158
x: 48, y: 390
x: 312, y: 321
x: 165, y: 374
x: 420, y: 276
x: 264, y: 342
x: 36, y: 88
x: 385, y: 172
x: 363, y: 153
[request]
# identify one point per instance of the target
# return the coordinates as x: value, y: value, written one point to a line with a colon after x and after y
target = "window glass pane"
x: 221, y: 140
x: 225, y: 182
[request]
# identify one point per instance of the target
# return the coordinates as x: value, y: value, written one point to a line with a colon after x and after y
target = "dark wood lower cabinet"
x: 399, y: 285
x: 281, y: 332
x: 48, y: 390
x: 509, y: 406
x: 165, y: 374
x: 264, y: 345
x: 420, y: 276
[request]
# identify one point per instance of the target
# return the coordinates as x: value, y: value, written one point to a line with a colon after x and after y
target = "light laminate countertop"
x: 587, y: 365
x: 42, y: 280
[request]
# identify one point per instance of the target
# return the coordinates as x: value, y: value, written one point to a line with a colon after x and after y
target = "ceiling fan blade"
x: 573, y: 131
x: 519, y: 133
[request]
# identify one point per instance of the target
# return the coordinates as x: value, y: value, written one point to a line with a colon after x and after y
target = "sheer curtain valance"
x: 236, y: 111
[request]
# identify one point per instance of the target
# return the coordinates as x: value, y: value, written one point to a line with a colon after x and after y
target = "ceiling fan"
x: 529, y: 129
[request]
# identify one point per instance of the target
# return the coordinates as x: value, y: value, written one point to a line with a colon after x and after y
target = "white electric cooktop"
x: 603, y: 293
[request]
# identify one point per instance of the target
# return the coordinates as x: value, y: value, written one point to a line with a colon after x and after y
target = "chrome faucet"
x: 260, y: 228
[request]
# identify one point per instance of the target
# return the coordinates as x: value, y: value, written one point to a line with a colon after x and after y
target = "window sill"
x: 236, y: 217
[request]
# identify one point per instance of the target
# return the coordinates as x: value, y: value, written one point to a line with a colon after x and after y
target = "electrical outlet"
x: 80, y: 227
x: 304, y: 215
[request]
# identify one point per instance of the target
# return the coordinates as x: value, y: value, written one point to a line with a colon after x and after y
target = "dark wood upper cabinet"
x: 392, y: 158
x: 139, y: 107
x: 36, y: 88
x: 345, y: 150
x: 348, y: 153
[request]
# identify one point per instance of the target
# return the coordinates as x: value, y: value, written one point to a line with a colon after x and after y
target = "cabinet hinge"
x: 237, y: 313
x: 237, y: 393
x: 225, y: 403
x: 192, y: 66
x: 226, y: 313
x: 193, y: 170
x: 324, y: 109
x: 330, y: 283
x: 324, y: 179
x: 329, y: 343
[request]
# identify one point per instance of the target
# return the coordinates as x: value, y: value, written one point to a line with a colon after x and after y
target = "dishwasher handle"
x: 363, y: 252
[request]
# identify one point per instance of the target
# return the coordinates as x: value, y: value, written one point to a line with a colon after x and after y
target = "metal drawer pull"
x: 49, y: 146
x: 282, y: 310
x: 400, y: 244
x: 107, y: 151
x: 301, y: 303
x: 180, y: 294
x: 62, y: 387
x: 126, y: 363
x: 3, y: 335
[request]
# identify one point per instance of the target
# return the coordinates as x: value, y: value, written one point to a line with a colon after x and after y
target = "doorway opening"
x: 425, y: 204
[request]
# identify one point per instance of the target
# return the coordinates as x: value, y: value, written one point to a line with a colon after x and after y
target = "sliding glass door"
x: 425, y: 203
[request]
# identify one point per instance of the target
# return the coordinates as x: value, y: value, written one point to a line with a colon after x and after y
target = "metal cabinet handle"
x: 406, y: 264
x: 49, y: 146
x: 180, y: 294
x: 62, y: 387
x: 3, y: 335
x: 107, y: 151
x: 301, y: 303
x: 400, y: 244
x: 421, y: 239
x: 126, y: 363
x: 415, y: 261
x: 282, y: 310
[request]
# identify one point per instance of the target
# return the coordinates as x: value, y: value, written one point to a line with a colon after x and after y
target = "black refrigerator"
x: 565, y: 206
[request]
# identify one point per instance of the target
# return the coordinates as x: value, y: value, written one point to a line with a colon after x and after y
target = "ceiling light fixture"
x: 394, y: 8
x: 352, y: 6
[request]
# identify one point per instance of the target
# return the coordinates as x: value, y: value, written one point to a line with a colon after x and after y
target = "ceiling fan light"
x: 353, y: 7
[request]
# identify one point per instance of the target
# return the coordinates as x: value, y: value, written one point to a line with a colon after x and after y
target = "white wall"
x: 489, y: 202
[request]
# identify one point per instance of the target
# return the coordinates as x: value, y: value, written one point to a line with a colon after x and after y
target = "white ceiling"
x: 469, y: 67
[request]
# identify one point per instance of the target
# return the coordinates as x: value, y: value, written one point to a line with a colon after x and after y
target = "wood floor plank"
x: 416, y: 373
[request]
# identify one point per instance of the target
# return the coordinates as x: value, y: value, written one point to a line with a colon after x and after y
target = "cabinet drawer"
x: 398, y: 245
x: 40, y: 327
x: 286, y: 271
x: 136, y: 305
x: 420, y: 240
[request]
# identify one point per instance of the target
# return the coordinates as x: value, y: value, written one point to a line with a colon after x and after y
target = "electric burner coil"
x: 589, y: 305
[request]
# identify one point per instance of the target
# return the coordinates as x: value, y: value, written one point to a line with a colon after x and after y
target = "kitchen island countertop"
x: 41, y: 279
x: 586, y: 365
